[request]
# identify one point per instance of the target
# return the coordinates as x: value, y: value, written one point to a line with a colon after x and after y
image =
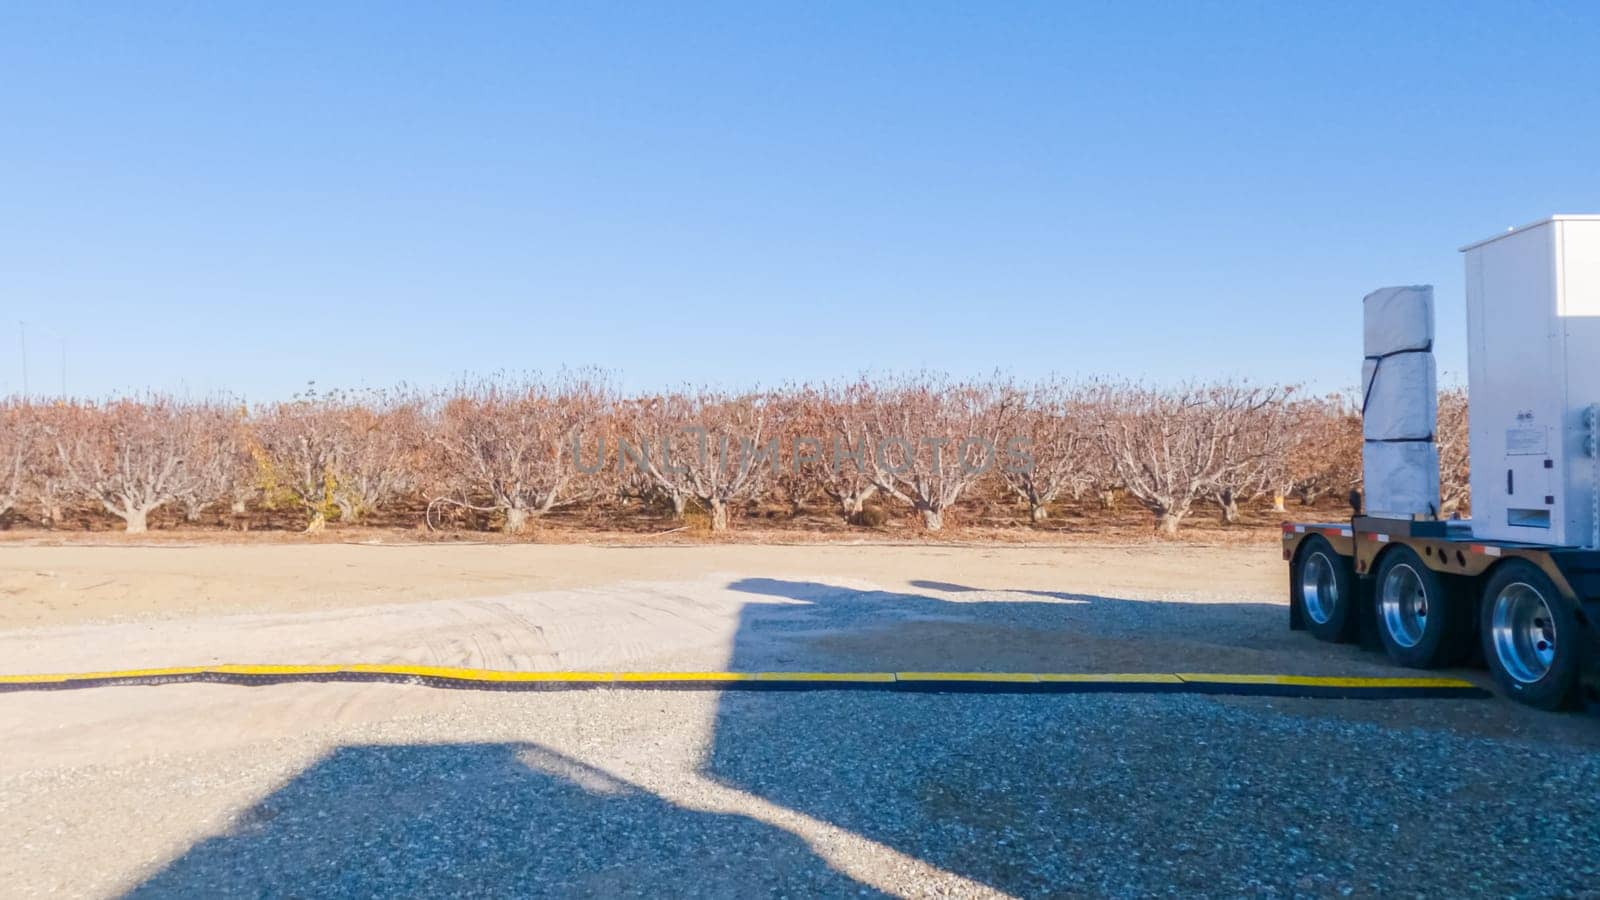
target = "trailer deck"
x: 1460, y: 568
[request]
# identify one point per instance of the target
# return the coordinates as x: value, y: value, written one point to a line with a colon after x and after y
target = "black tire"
x: 1513, y: 653
x: 1419, y: 622
x: 1324, y: 588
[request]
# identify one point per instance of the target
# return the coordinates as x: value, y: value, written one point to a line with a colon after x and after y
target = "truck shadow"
x: 486, y: 819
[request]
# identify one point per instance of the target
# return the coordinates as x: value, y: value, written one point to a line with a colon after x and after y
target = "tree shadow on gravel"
x: 487, y: 819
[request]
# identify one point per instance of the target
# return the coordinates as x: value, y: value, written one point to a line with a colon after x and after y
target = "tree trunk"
x: 680, y: 502
x: 192, y: 510
x: 1228, y: 503
x: 932, y: 519
x: 516, y: 520
x: 1108, y: 499
x: 719, y: 514
x: 348, y: 511
x: 317, y: 524
x: 1038, y: 513
x: 852, y: 504
x: 138, y: 520
x: 1167, y: 523
x: 1277, y: 503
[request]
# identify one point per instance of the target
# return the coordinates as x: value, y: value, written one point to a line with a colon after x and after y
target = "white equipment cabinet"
x: 1533, y: 332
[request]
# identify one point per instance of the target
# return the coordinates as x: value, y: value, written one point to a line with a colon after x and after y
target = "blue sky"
x: 240, y: 198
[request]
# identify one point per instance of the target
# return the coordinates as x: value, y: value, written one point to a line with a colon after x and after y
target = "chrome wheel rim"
x: 1524, y: 632
x: 1404, y: 604
x: 1319, y: 588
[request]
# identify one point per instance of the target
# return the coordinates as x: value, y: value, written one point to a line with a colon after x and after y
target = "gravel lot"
x: 353, y: 790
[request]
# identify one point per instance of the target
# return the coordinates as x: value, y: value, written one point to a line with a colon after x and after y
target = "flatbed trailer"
x: 1431, y: 595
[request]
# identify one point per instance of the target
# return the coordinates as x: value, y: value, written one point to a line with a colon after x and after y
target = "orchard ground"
x: 326, y: 789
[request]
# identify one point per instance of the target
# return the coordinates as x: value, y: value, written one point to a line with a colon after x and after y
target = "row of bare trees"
x: 516, y: 449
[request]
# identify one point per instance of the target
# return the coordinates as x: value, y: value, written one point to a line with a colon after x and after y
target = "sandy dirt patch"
x: 58, y: 585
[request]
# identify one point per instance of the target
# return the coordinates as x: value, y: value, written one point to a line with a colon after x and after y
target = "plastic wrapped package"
x: 1396, y: 319
x: 1401, y: 479
x: 1400, y: 397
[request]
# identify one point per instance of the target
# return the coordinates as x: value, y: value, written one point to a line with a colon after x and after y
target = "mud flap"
x: 1367, y: 613
x: 1589, y: 657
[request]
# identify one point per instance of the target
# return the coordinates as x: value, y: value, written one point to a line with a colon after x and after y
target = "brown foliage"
x: 507, y: 453
x: 511, y: 446
x: 130, y: 456
x: 1171, y: 447
x: 928, y: 440
x: 1454, y: 464
x: 714, y: 448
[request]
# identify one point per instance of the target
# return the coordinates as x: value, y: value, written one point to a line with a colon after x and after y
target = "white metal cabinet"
x: 1533, y: 331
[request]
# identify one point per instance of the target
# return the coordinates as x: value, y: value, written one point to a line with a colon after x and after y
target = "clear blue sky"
x: 243, y: 197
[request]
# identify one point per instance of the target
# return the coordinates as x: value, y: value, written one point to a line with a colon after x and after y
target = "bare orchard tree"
x: 794, y: 408
x: 382, y: 459
x: 1056, y: 425
x: 221, y: 467
x: 509, y: 446
x: 301, y: 447
x: 17, y: 428
x: 931, y: 439
x: 130, y: 456
x: 717, y: 449
x: 1324, y: 455
x: 46, y: 484
x: 1254, y: 453
x: 1455, y: 465
x: 830, y: 446
x: 1172, y: 447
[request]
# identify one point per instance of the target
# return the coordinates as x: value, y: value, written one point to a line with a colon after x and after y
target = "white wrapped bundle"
x: 1398, y: 318
x: 1401, y: 479
x: 1402, y: 402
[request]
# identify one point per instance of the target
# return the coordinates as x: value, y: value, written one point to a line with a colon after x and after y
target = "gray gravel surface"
x: 342, y: 790
x: 740, y: 795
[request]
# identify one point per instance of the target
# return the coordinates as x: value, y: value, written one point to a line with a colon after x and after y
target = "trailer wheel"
x: 1324, y: 587
x: 1416, y: 618
x: 1530, y: 636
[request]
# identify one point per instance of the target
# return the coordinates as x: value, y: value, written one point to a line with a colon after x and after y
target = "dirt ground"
x: 191, y: 764
x: 76, y: 583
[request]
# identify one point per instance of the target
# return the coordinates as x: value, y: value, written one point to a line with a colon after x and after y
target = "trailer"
x: 1517, y: 586
x: 1431, y: 595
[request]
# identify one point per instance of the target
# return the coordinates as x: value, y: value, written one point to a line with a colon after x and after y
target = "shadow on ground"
x: 823, y: 626
x: 495, y: 819
x: 1124, y: 795
x: 1029, y: 794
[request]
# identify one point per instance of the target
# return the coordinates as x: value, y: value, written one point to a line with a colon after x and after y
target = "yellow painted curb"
x: 1116, y: 678
x: 850, y: 677
x: 993, y: 677
x: 1002, y: 682
x: 685, y: 676
x: 1324, y: 681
